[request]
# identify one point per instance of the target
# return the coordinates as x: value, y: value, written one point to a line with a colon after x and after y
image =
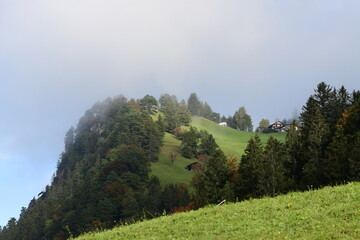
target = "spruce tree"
x: 337, y: 161
x: 271, y: 169
x: 294, y: 160
x: 248, y: 181
x: 211, y: 178
x: 314, y: 150
x: 194, y: 105
x: 184, y: 114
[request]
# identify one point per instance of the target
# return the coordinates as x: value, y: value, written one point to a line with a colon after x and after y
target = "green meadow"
x: 329, y: 213
x: 231, y: 141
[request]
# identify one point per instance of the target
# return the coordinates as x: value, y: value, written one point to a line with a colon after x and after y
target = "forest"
x: 103, y: 175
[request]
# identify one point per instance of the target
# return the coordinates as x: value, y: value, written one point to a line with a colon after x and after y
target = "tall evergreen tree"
x: 314, y: 147
x: 294, y: 160
x: 243, y: 120
x: 248, y: 181
x: 207, y: 143
x: 337, y: 164
x: 211, y: 180
x: 190, y: 143
x: 194, y: 105
x: 271, y: 169
x: 184, y: 114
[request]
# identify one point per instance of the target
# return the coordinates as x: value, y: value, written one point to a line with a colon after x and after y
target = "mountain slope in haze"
x: 233, y: 142
x: 329, y: 213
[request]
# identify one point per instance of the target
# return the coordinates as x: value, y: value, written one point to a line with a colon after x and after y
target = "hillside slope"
x: 231, y: 141
x: 329, y: 213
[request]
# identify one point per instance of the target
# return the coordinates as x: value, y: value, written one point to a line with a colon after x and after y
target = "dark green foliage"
x: 243, y: 120
x: 212, y: 180
x: 102, y: 175
x: 271, y: 169
x: 149, y: 104
x: 196, y: 143
x: 354, y: 159
x: 317, y: 137
x: 337, y: 165
x: 174, y: 196
x: 184, y: 114
x: 293, y: 157
x: 171, y: 120
x: 207, y: 143
x: 248, y: 181
x: 190, y: 142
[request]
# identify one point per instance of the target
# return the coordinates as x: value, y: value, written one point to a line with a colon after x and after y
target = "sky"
x: 59, y: 57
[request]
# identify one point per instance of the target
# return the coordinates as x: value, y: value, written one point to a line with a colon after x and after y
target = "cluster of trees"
x: 325, y: 151
x: 175, y: 114
x: 241, y: 120
x: 102, y: 177
x: 201, y: 109
x: 195, y: 143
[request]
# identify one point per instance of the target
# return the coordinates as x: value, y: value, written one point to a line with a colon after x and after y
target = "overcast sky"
x: 57, y: 58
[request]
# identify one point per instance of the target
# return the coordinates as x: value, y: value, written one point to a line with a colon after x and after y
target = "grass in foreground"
x: 329, y: 213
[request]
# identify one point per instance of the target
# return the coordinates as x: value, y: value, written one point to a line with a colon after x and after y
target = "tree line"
x: 324, y: 151
x: 102, y: 177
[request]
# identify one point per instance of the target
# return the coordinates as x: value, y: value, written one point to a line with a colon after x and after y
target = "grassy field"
x: 329, y: 213
x: 231, y: 141
x: 163, y: 169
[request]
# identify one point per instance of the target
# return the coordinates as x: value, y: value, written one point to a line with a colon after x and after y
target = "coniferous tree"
x: 194, y: 105
x: 314, y: 150
x: 243, y: 120
x: 294, y: 160
x: 149, y: 104
x: 207, y: 144
x: 271, y: 169
x: 184, y: 114
x: 354, y: 159
x: 212, y: 180
x: 190, y: 143
x: 248, y: 181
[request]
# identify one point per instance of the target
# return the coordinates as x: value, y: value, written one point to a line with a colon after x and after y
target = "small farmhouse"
x: 277, y: 126
x: 281, y: 127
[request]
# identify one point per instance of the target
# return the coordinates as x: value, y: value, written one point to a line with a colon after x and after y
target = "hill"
x: 329, y: 213
x: 231, y: 141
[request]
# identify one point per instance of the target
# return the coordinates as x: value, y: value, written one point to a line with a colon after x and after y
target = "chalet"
x: 224, y: 124
x: 280, y: 126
